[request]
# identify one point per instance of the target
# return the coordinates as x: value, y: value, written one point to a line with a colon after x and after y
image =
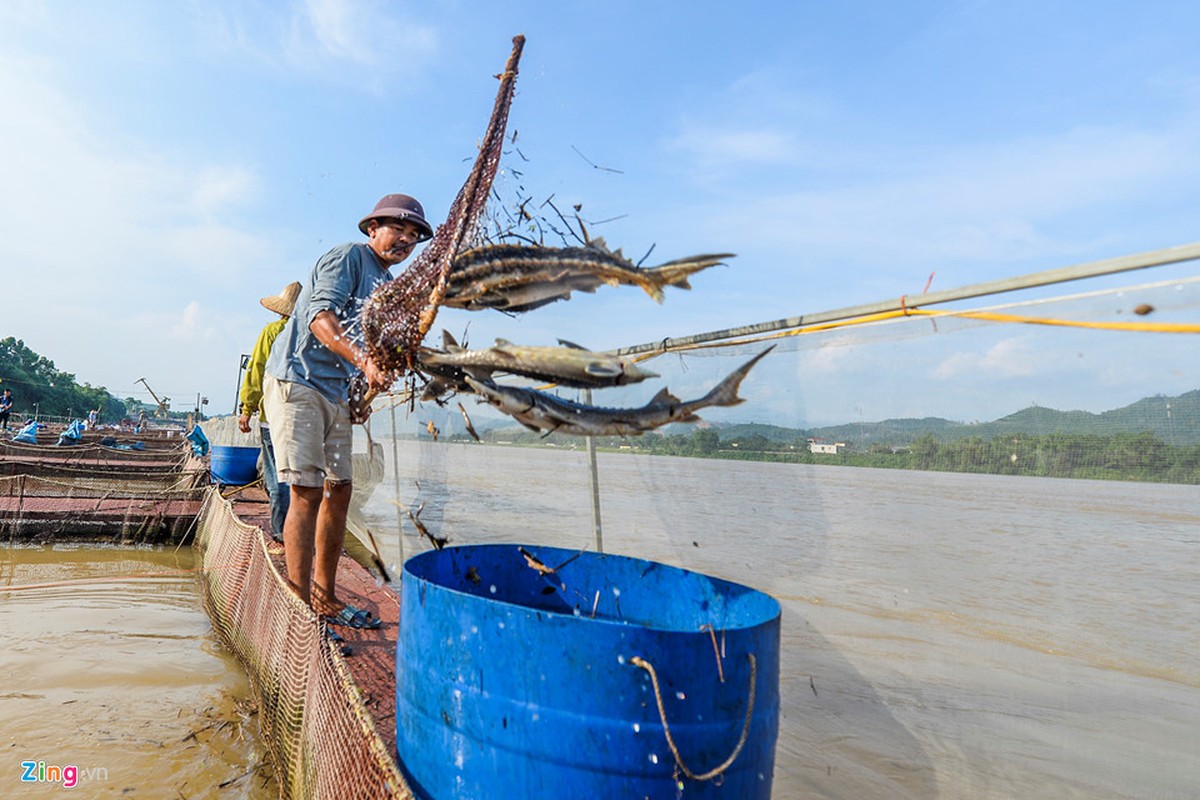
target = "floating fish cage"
x: 543, y: 672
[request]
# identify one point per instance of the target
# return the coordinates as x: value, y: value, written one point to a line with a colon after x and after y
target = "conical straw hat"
x: 284, y: 302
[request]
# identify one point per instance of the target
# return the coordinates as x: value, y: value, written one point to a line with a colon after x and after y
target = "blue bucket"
x: 515, y: 682
x: 233, y: 465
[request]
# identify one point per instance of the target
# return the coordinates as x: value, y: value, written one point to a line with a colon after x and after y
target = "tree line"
x: 38, y: 386
x: 1126, y: 456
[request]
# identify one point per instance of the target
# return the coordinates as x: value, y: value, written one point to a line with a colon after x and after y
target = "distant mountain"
x: 1174, y: 420
x: 744, y: 430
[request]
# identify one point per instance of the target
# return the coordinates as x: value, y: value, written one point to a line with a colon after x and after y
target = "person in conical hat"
x: 251, y: 400
x: 306, y: 391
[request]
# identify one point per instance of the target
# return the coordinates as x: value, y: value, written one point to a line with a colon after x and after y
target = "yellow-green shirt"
x: 252, y: 386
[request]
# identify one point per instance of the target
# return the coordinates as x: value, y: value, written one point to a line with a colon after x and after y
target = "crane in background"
x: 164, y: 404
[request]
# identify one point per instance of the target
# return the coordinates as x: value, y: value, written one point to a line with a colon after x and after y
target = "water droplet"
x: 616, y: 592
x: 653, y: 758
x: 681, y: 696
x: 492, y: 588
x: 620, y: 659
x: 637, y: 727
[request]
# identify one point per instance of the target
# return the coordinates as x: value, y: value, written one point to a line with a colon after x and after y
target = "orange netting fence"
x: 312, y: 714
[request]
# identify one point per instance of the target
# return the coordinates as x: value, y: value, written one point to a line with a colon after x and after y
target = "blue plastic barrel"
x: 513, y: 681
x: 233, y: 465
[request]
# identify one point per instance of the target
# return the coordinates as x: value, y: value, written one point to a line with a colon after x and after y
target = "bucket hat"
x: 399, y: 206
x: 284, y: 302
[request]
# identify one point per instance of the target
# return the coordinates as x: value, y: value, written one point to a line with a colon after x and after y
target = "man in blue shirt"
x: 306, y: 390
x: 6, y: 404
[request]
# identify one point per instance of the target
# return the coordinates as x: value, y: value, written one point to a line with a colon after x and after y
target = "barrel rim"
x: 771, y: 611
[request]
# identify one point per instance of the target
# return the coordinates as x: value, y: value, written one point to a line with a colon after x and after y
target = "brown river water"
x: 944, y: 635
x: 111, y: 672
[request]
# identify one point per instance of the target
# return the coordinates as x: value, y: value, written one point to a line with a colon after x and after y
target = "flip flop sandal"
x: 357, y: 610
x: 343, y: 648
x: 352, y: 617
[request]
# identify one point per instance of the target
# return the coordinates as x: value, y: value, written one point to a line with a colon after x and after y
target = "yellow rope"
x: 638, y: 661
x: 1138, y: 327
x: 885, y: 316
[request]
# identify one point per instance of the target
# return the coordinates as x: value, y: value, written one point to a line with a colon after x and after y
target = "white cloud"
x: 1009, y: 358
x: 727, y: 148
x: 191, y: 324
x: 363, y: 34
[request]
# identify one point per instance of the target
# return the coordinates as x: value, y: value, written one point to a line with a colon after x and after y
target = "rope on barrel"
x: 638, y: 661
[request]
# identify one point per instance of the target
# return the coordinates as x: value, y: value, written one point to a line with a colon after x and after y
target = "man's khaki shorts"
x: 312, y: 436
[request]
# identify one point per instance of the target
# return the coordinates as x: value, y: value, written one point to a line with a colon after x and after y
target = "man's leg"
x: 330, y: 536
x: 299, y: 533
x: 278, y: 492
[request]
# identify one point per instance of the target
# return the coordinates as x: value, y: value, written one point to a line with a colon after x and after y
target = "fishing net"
x: 398, y: 314
x: 99, y: 493
x: 313, y: 715
x: 976, y: 512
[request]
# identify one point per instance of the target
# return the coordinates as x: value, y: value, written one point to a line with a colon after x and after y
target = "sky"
x: 167, y: 164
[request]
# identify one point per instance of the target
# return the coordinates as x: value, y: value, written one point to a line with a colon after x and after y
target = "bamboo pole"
x: 1092, y: 269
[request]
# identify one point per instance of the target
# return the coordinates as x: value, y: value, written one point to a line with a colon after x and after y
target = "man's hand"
x: 377, y: 379
x: 244, y: 423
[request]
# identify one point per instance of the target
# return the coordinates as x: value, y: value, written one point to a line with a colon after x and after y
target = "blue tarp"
x: 28, y: 434
x: 73, y: 434
x: 199, y: 441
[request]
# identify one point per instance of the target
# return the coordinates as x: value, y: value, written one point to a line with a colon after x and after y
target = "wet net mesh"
x: 924, y: 492
x: 396, y: 317
x: 91, y: 491
x: 312, y: 714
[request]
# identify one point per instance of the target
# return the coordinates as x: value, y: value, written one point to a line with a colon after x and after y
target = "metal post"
x: 591, y: 451
x: 396, y: 478
x: 237, y: 390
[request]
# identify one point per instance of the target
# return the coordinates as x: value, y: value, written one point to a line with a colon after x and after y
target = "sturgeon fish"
x: 569, y: 365
x: 517, y: 278
x: 543, y: 412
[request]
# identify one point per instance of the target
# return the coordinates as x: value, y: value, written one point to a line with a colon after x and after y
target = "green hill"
x: 1173, y: 420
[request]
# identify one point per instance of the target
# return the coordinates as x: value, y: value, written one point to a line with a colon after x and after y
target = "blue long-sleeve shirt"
x: 341, y: 280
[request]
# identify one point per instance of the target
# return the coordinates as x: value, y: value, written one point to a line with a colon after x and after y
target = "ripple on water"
x: 110, y: 665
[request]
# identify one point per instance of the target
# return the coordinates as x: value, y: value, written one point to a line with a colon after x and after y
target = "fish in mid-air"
x: 567, y: 365
x: 543, y: 412
x: 517, y: 278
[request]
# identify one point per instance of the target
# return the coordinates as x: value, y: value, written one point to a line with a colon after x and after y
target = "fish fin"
x: 449, y: 342
x: 481, y: 374
x: 600, y: 370
x: 502, y: 344
x: 725, y: 392
x: 663, y: 398
x: 704, y: 260
x: 599, y: 244
x: 571, y: 345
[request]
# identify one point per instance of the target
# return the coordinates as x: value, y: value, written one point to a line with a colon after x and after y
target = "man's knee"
x: 304, y: 498
x: 338, y: 492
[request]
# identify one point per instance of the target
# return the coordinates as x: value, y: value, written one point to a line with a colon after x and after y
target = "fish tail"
x: 725, y: 392
x: 676, y: 273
